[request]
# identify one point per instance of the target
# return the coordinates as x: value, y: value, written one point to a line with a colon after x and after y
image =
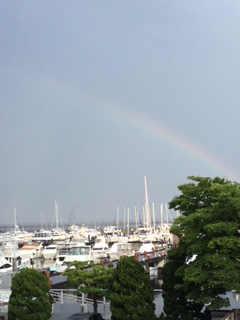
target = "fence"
x: 66, y: 296
x: 233, y: 315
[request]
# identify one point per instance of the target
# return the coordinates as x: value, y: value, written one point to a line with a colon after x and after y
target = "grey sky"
x: 95, y: 95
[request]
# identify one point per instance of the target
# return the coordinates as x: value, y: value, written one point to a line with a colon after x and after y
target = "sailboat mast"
x: 56, y: 214
x: 153, y: 215
x: 128, y: 222
x: 15, y: 220
x: 147, y: 211
x: 161, y: 217
x: 117, y: 220
x: 136, y: 217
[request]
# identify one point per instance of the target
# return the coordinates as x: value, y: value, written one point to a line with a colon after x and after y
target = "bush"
x: 30, y: 298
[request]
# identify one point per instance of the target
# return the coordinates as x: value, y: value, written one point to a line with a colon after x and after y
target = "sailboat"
x: 59, y: 234
x: 43, y: 235
x: 16, y: 234
x: 146, y: 227
x: 150, y: 237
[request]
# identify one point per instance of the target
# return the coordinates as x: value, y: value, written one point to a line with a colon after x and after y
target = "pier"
x: 151, y: 261
x: 155, y: 259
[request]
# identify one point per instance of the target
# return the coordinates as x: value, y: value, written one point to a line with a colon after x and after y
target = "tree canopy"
x: 131, y: 295
x: 92, y: 280
x: 208, y: 230
x: 30, y: 298
x: 176, y: 304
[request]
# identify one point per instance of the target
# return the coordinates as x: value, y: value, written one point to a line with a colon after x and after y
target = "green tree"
x: 171, y: 296
x: 176, y: 305
x: 93, y: 279
x: 208, y: 231
x: 30, y: 298
x: 131, y: 295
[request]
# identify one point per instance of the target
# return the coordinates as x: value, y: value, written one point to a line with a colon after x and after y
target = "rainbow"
x: 125, y: 114
x: 175, y: 139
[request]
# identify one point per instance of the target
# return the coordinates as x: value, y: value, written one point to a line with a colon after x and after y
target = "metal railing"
x: 232, y: 315
x: 63, y: 296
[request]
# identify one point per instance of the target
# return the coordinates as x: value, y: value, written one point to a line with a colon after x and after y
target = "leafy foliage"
x: 131, y: 294
x: 173, y: 297
x: 209, y: 242
x: 30, y: 298
x: 176, y: 305
x: 93, y: 280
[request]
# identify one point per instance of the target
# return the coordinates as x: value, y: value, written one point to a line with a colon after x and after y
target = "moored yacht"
x: 62, y: 251
x: 50, y: 251
x: 79, y: 252
x: 31, y: 250
x: 5, y: 265
x: 10, y: 251
x: 64, y: 247
x: 146, y: 247
x: 110, y: 231
x: 43, y: 236
x: 89, y: 234
x: 120, y: 249
x: 100, y: 248
x: 60, y: 235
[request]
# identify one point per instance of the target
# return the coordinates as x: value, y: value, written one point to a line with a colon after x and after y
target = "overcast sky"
x: 96, y: 95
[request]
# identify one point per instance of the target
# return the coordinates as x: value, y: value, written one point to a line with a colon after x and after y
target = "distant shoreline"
x: 37, y: 226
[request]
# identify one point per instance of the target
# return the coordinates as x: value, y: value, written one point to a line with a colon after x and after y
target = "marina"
x: 65, y: 302
x: 51, y: 249
x: 144, y: 244
x: 55, y: 247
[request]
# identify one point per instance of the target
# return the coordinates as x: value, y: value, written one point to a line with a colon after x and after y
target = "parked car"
x: 85, y: 316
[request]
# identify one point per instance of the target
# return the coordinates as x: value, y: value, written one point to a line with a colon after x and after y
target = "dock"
x: 151, y: 261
